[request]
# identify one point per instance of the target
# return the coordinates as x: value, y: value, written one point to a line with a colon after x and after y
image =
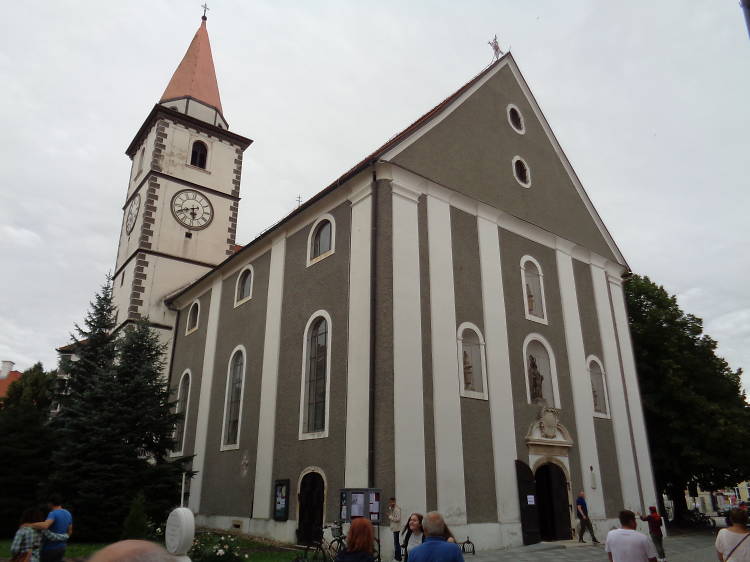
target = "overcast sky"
x: 648, y: 99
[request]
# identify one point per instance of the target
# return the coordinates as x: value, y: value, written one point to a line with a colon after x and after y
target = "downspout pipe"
x: 373, y: 325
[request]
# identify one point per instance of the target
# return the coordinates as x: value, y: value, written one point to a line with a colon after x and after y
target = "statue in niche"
x: 468, y: 371
x: 529, y: 299
x: 535, y: 381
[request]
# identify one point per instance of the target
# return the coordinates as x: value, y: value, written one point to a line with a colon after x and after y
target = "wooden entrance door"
x: 311, y: 498
x: 527, y: 501
x: 552, y: 494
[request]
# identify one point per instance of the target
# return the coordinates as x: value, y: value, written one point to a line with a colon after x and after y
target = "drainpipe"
x: 373, y: 324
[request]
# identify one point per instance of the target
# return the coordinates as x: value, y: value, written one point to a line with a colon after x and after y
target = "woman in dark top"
x: 359, y: 542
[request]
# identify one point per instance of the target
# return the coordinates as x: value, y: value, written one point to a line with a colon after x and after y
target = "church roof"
x: 195, y: 77
x: 5, y: 383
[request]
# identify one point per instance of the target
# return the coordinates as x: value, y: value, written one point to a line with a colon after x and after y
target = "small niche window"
x: 316, y: 378
x: 516, y: 119
x: 322, y: 240
x: 244, y: 290
x: 598, y: 388
x: 541, y: 375
x: 193, y: 316
x: 532, y: 282
x: 521, y: 171
x: 183, y: 395
x: 199, y: 154
x: 471, y: 361
x: 233, y: 400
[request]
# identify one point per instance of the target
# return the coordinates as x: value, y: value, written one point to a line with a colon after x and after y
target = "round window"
x: 521, y: 171
x: 516, y: 119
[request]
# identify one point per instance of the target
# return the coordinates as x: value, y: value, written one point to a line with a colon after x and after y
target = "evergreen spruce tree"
x: 136, y: 523
x: 25, y: 443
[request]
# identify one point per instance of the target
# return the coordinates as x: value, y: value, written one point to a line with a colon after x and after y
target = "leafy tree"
x: 26, y: 443
x: 136, y: 523
x: 697, y: 417
x: 115, y: 427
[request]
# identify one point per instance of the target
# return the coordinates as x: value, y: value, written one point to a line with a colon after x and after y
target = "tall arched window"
x: 532, y: 281
x: 233, y: 400
x: 541, y: 372
x: 183, y: 395
x: 471, y: 361
x: 244, y: 289
x: 316, y: 377
x: 322, y: 239
x: 193, y: 316
x: 598, y: 387
x: 199, y: 154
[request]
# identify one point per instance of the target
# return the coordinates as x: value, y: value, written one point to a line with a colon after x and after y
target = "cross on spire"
x: 205, y: 8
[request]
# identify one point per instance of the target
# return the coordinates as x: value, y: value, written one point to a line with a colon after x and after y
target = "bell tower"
x: 180, y: 211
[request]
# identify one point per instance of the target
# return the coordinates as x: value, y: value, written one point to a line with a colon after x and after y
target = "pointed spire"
x: 196, y: 77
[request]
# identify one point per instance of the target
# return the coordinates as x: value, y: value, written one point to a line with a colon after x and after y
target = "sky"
x: 649, y: 101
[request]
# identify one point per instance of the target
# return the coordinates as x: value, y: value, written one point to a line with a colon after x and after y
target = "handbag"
x: 22, y: 557
x: 736, y: 547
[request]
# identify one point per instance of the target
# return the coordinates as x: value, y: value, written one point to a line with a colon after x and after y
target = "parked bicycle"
x: 326, y: 551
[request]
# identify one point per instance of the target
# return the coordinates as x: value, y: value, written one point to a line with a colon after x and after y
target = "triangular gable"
x: 467, y: 144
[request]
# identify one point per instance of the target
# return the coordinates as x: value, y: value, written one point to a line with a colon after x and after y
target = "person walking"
x: 359, y: 542
x: 394, y: 517
x: 435, y: 547
x: 412, y: 535
x: 627, y: 544
x: 27, y: 542
x: 59, y: 520
x: 732, y: 543
x: 654, y: 529
x: 584, y: 523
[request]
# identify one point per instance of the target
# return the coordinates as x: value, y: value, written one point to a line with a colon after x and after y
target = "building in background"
x: 7, y: 377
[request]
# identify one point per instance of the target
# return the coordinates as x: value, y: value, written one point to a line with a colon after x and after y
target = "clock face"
x: 192, y: 209
x: 132, y: 213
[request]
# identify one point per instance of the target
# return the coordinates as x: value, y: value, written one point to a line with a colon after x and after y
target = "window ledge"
x: 191, y: 330
x: 602, y: 416
x: 234, y: 447
x: 321, y: 257
x: 243, y: 301
x: 316, y: 435
x: 204, y: 170
x: 537, y: 319
x: 175, y: 454
x: 474, y: 395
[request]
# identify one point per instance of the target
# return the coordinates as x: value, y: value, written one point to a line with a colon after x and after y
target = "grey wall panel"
x: 230, y: 475
x: 322, y: 286
x: 472, y: 150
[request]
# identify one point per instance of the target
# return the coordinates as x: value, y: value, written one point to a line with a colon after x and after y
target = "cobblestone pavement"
x: 686, y: 548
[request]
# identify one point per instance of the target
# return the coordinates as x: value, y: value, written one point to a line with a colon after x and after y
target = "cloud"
x: 19, y: 236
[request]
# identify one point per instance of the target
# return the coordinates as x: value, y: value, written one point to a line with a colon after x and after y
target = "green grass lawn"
x: 74, y: 550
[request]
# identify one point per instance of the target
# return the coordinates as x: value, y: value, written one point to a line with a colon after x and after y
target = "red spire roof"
x: 196, y: 77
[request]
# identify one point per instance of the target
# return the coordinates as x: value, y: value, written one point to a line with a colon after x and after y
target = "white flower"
x: 220, y: 552
x: 245, y: 555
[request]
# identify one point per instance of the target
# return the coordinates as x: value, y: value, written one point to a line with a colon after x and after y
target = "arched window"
x: 322, y: 239
x: 532, y: 281
x: 541, y: 372
x: 199, y: 154
x: 193, y: 316
x: 598, y: 387
x: 316, y: 377
x: 471, y: 361
x: 521, y: 171
x: 233, y: 400
x: 244, y: 289
x: 183, y: 395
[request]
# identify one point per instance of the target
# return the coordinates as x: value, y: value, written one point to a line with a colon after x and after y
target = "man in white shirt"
x: 627, y: 544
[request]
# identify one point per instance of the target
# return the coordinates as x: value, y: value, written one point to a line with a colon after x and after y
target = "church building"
x: 445, y: 322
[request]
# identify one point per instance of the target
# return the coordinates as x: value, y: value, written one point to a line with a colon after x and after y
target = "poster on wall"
x: 358, y: 505
x: 281, y: 500
x: 374, y: 506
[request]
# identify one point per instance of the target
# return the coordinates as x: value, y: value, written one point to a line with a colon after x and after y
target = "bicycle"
x: 324, y: 550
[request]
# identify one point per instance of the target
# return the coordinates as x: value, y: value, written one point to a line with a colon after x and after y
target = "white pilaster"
x: 408, y: 397
x: 638, y: 423
x: 268, y: 383
x: 615, y: 390
x: 583, y: 401
x: 449, y: 453
x: 498, y: 372
x: 358, y: 374
x: 204, y: 402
